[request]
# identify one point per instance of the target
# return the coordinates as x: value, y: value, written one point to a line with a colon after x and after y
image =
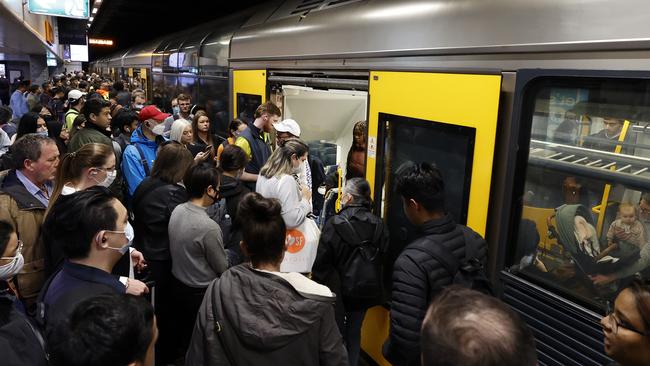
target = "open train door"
x: 248, y: 92
x: 446, y: 119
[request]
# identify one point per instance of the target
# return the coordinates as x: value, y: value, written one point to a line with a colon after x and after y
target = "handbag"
x: 302, y: 246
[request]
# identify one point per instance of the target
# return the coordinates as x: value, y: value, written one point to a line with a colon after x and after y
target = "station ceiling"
x: 130, y: 22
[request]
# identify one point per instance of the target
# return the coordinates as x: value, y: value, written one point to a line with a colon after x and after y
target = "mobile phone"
x: 208, y: 148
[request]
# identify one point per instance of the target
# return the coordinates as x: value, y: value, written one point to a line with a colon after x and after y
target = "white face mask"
x: 43, y: 133
x: 158, y: 129
x: 110, y: 177
x: 11, y: 269
x: 129, y: 234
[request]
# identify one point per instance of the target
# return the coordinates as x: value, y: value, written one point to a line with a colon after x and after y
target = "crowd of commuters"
x: 130, y: 235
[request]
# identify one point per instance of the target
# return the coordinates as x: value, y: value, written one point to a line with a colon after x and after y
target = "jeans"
x: 352, y: 335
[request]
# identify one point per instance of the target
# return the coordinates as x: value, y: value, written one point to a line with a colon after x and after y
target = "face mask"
x: 129, y: 234
x: 176, y: 109
x: 42, y: 133
x: 110, y: 177
x: 11, y: 269
x: 138, y: 106
x: 158, y: 129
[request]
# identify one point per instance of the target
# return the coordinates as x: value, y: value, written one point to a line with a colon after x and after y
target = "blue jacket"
x: 18, y: 104
x: 132, y: 165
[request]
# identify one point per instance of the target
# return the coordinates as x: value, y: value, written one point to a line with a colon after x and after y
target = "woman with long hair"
x: 627, y: 326
x: 153, y: 203
x: 201, y: 130
x: 93, y: 164
x: 278, y: 179
x: 30, y: 123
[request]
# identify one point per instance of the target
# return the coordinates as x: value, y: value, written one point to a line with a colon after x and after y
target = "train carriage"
x: 535, y: 111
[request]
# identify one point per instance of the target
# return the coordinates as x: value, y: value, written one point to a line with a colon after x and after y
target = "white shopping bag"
x: 302, y: 246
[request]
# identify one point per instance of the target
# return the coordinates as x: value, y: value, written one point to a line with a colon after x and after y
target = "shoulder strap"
x: 218, y: 329
x: 355, y: 235
x: 39, y: 338
x: 471, y: 251
x: 41, y: 313
x: 442, y: 255
x: 143, y: 160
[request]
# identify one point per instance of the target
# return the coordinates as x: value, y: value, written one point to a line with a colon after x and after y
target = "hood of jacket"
x: 265, y: 311
x: 230, y: 187
x: 137, y: 137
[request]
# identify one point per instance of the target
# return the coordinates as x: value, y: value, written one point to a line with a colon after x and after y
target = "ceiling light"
x: 91, y: 19
x: 95, y: 10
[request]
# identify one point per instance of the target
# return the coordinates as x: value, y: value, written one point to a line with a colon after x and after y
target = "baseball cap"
x: 152, y: 112
x: 75, y: 94
x: 288, y: 125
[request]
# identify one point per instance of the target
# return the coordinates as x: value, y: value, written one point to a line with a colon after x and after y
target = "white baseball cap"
x: 75, y: 94
x: 288, y: 125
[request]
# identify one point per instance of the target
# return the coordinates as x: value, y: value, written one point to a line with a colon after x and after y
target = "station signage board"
x: 79, y: 9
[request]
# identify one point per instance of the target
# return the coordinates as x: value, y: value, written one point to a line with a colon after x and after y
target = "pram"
x: 575, y: 232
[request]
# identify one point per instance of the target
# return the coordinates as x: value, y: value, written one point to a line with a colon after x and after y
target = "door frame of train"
x: 468, y: 100
x: 247, y: 82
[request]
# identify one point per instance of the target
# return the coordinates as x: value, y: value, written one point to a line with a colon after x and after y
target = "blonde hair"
x: 279, y: 162
x: 177, y: 129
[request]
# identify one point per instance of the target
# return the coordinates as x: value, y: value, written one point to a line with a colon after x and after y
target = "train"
x: 505, y: 96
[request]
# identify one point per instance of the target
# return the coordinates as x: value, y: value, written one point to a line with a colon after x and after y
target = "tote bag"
x: 302, y: 246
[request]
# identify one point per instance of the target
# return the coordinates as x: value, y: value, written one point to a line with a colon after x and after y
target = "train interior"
x: 326, y: 118
x: 581, y: 224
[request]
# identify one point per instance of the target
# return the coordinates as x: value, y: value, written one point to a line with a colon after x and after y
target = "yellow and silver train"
x: 536, y: 111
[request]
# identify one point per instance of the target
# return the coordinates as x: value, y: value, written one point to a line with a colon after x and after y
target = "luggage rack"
x: 633, y: 171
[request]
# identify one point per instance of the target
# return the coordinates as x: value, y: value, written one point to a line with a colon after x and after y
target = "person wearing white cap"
x: 75, y: 101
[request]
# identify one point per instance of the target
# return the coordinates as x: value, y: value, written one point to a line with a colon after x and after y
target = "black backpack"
x: 469, y: 272
x: 218, y: 212
x: 362, y: 273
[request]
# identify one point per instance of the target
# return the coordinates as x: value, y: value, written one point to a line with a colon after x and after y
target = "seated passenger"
x: 19, y: 342
x: 106, y: 330
x: 627, y: 326
x: 92, y: 242
x: 351, y: 256
x: 607, y: 138
x: 466, y: 327
x: 276, y: 180
x: 643, y: 262
x: 626, y: 234
x: 265, y: 317
x: 196, y: 247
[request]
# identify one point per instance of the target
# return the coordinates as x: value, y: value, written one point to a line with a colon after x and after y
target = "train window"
x: 247, y: 105
x: 214, y: 96
x: 188, y: 85
x: 450, y: 147
x: 584, y: 224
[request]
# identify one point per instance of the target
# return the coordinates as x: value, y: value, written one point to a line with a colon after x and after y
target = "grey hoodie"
x: 264, y: 320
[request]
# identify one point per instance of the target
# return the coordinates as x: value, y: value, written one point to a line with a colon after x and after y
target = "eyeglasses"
x: 617, y: 323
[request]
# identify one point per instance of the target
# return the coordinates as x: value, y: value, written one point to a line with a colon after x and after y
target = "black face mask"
x: 214, y: 198
x: 47, y: 118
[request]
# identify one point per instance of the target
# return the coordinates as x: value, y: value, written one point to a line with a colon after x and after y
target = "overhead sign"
x: 68, y: 8
x: 72, y: 31
x: 100, y: 42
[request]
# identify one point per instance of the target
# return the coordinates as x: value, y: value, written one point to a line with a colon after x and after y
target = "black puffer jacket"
x: 152, y: 206
x: 19, y: 344
x: 417, y: 275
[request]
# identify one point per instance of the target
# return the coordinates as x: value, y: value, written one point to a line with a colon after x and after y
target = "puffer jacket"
x: 264, y: 320
x: 153, y: 204
x: 25, y: 213
x: 19, y: 341
x: 417, y: 275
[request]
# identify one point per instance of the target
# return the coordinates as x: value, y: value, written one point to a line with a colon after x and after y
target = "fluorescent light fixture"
x: 91, y: 19
x: 404, y: 10
x: 95, y: 10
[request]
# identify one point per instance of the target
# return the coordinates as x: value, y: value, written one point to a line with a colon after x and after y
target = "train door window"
x: 189, y: 85
x: 449, y: 147
x: 214, y: 96
x: 583, y: 229
x: 247, y: 105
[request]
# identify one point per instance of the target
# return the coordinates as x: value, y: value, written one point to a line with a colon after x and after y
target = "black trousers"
x: 187, y: 301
